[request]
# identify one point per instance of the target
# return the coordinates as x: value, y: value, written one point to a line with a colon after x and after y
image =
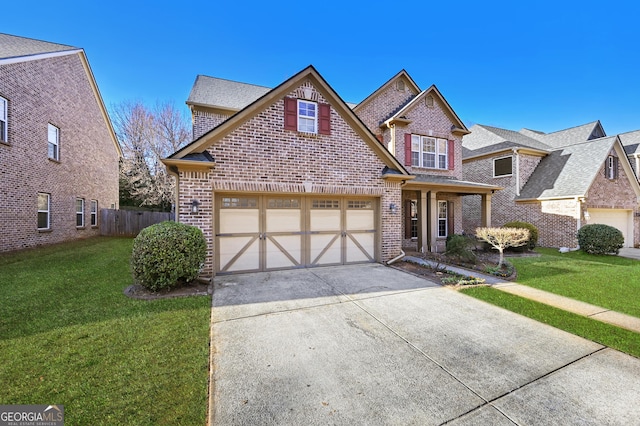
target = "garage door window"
x: 239, y: 202
x: 283, y: 203
x: 357, y: 204
x: 325, y: 204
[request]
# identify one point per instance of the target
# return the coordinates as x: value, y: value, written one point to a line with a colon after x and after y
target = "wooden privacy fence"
x: 128, y: 223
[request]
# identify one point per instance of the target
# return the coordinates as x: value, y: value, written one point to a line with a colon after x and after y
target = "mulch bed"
x: 195, y: 288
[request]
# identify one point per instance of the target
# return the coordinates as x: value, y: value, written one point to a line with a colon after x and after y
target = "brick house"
x: 58, y: 152
x: 558, y: 181
x: 295, y: 177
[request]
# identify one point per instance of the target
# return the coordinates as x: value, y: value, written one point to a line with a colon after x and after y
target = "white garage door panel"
x: 239, y: 221
x: 620, y: 219
x: 360, y: 247
x: 239, y: 254
x: 261, y: 232
x: 360, y: 220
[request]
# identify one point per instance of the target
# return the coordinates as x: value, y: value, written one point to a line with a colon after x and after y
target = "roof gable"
x: 571, y: 170
x: 400, y: 76
x: 458, y: 125
x: 585, y: 132
x: 279, y: 92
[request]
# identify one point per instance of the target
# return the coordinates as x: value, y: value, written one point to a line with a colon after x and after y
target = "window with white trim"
x: 611, y: 167
x: 442, y: 219
x: 94, y: 213
x: 4, y: 113
x: 307, y: 116
x: 79, y: 212
x: 503, y: 166
x: 53, y: 137
x: 429, y: 152
x: 44, y: 207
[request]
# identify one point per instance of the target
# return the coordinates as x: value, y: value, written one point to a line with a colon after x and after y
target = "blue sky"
x: 544, y: 65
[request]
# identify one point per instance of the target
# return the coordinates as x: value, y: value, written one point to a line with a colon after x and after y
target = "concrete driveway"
x: 373, y: 345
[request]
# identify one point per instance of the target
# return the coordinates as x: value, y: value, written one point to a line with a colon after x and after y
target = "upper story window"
x: 53, y: 136
x: 44, y: 203
x: 503, y: 166
x: 307, y: 116
x: 79, y: 212
x: 429, y: 152
x: 4, y: 107
x: 611, y: 167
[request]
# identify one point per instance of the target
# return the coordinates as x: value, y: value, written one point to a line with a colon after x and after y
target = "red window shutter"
x: 407, y: 149
x: 290, y: 114
x: 324, y: 121
x: 450, y: 154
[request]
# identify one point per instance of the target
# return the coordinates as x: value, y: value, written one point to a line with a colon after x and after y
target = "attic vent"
x: 400, y: 85
x: 428, y: 101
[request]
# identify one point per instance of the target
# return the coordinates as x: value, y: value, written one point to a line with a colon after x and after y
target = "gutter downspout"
x: 395, y: 259
x: 517, y: 158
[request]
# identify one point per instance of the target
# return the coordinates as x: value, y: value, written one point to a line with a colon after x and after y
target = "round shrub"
x: 167, y: 254
x: 600, y: 239
x: 533, y: 232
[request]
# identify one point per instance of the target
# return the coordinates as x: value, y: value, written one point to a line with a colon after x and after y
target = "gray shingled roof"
x: 631, y: 142
x: 217, y: 92
x: 486, y: 139
x: 568, y: 171
x: 13, y: 46
x: 573, y: 135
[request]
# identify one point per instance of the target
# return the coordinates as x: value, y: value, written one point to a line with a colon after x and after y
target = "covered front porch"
x: 432, y: 210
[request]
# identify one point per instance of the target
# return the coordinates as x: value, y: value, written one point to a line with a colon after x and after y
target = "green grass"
x: 69, y: 336
x: 610, y: 282
x: 605, y: 334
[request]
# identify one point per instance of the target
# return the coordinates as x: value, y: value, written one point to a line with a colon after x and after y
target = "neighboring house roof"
x: 224, y: 94
x: 15, y: 49
x: 573, y: 135
x: 181, y: 157
x: 485, y: 140
x: 568, y: 171
x: 13, y: 46
x: 631, y: 142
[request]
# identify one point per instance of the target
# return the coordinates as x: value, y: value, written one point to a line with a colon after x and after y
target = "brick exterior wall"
x: 204, y: 121
x: 261, y: 157
x: 557, y: 220
x: 57, y: 91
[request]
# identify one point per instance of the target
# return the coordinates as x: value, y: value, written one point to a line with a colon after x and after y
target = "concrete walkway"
x: 565, y: 303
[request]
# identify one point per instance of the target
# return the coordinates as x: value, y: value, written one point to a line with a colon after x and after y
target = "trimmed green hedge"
x: 600, y: 239
x: 167, y: 254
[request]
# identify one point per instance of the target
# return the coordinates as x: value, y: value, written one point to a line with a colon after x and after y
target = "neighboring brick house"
x: 558, y: 181
x: 294, y: 177
x: 58, y: 152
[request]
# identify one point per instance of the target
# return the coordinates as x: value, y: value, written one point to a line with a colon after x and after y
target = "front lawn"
x: 610, y: 282
x: 69, y: 336
x: 605, y: 334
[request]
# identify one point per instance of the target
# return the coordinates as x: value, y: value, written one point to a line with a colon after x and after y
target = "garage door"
x: 621, y: 219
x: 261, y: 233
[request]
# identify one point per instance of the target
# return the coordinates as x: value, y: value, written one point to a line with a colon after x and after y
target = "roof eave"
x: 191, y: 165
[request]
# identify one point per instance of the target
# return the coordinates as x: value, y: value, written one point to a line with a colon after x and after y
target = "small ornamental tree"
x: 167, y: 254
x: 501, y: 238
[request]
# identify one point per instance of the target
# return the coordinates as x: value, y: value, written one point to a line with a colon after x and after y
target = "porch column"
x: 423, y: 218
x: 486, y: 210
x: 433, y: 220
